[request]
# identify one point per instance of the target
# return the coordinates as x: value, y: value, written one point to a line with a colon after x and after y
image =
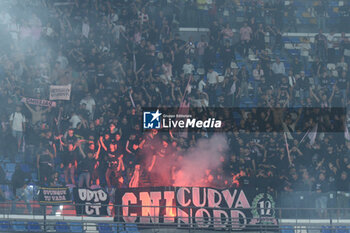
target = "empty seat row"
x: 21, y: 226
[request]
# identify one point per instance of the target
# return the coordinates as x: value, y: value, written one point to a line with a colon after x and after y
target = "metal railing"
x: 45, y: 220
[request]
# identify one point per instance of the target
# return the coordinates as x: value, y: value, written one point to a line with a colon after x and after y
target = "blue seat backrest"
x: 104, y: 228
x: 19, y: 226
x: 76, y: 227
x: 129, y: 227
x: 62, y: 227
x: 287, y: 229
x: 34, y: 227
x: 326, y: 229
x: 341, y: 229
x: 5, y: 226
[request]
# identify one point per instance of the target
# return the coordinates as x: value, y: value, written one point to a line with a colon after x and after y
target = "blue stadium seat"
x: 104, y: 228
x: 62, y: 227
x: 76, y: 227
x: 285, y: 39
x: 334, y: 3
x: 326, y: 229
x: 129, y: 227
x: 294, y: 40
x: 287, y: 229
x: 19, y: 226
x: 25, y: 167
x: 10, y: 167
x: 34, y: 227
x: 9, y: 175
x: 341, y: 229
x: 5, y: 226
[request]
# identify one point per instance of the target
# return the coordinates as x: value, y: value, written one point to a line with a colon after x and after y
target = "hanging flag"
x: 132, y: 100
x: 287, y: 147
x: 185, y: 105
x: 134, y: 62
x: 307, y: 132
x: 312, y: 134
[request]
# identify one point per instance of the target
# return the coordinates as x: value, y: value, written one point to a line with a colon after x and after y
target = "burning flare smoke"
x: 193, y: 169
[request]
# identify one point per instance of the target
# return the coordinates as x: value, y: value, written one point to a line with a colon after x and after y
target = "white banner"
x: 61, y: 92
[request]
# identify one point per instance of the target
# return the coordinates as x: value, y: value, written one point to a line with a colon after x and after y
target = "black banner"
x: 54, y: 195
x: 91, y: 202
x: 206, y: 208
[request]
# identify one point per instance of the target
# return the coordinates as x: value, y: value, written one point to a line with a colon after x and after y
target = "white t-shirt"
x: 75, y: 120
x: 63, y: 62
x: 331, y: 41
x: 17, y: 121
x: 85, y: 30
x: 118, y: 30
x: 258, y: 74
x: 278, y: 68
x: 114, y: 18
x: 188, y: 68
x: 89, y: 104
x: 304, y: 49
x: 201, y: 85
x: 211, y: 76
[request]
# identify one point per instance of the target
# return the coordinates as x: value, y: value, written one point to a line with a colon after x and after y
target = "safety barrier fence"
x: 59, y: 221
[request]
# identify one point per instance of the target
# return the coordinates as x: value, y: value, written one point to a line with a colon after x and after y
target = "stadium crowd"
x: 120, y: 56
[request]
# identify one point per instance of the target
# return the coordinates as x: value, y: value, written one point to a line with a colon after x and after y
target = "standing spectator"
x: 69, y: 157
x: 296, y: 66
x: 332, y: 41
x: 278, y: 70
x: 86, y: 165
x: 321, y: 12
x: 246, y: 36
x: 258, y: 73
x: 209, y: 57
x: 291, y: 18
x: 85, y: 28
x: 143, y: 16
x: 321, y: 188
x: 228, y: 54
x: 342, y: 186
x: 201, y: 46
x: 342, y: 65
x: 19, y: 185
x: 167, y: 70
x: 259, y: 39
x: 115, y: 165
x: 45, y: 166
x: 321, y: 46
x: 305, y: 49
x: 90, y: 105
x: 188, y: 68
x: 278, y: 67
x: 17, y: 122
x: 227, y: 34
x: 212, y: 79
x: 37, y: 114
